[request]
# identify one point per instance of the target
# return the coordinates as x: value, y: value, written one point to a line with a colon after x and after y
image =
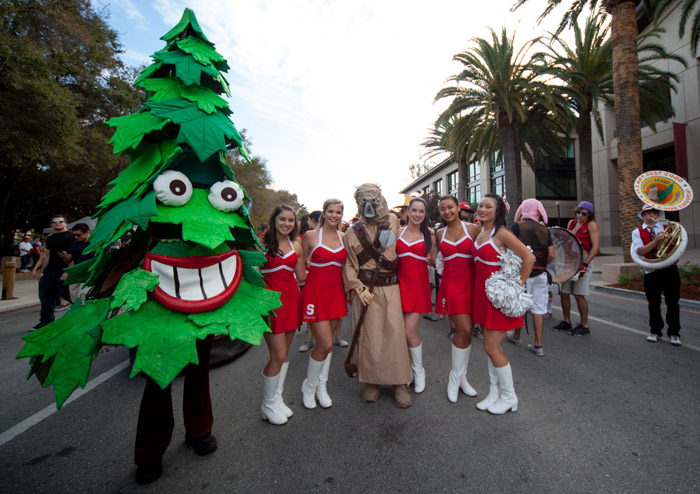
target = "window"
x: 498, y: 175
x: 557, y: 179
x: 452, y: 183
x: 437, y: 187
x: 474, y: 183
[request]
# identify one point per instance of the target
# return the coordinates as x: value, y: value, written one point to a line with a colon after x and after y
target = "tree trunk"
x: 586, y: 156
x: 511, y: 164
x: 629, y: 137
x: 462, y: 178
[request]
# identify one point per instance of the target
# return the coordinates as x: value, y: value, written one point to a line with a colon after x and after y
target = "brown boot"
x: 402, y: 398
x: 371, y: 393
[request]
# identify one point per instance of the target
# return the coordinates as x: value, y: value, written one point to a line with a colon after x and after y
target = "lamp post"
x: 558, y: 215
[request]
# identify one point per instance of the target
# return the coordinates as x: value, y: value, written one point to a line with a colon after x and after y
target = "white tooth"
x: 165, y: 277
x: 189, y: 284
x: 213, y: 285
x: 229, y: 269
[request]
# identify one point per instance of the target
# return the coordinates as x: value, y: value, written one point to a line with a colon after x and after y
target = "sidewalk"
x: 26, y: 293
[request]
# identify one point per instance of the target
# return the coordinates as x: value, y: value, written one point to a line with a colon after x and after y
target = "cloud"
x: 350, y: 84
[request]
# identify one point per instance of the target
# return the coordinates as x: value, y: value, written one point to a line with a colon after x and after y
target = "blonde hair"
x: 326, y: 204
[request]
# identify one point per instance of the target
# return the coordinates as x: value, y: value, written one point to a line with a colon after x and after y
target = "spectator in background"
x: 36, y: 250
x: 25, y: 249
x: 51, y: 284
x: 81, y: 239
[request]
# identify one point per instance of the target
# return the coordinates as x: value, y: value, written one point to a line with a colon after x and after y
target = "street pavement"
x: 607, y: 412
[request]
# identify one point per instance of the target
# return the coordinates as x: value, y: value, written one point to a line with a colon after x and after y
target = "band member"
x: 530, y: 228
x: 455, y: 294
x: 323, y: 298
x: 645, y: 240
x: 416, y: 247
x: 492, y: 242
x: 586, y: 230
x: 284, y: 260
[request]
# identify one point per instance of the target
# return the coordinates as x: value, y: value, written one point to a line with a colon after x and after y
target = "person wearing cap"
x: 645, y: 240
x: 531, y: 229
x: 465, y: 212
x: 25, y: 248
x: 586, y: 231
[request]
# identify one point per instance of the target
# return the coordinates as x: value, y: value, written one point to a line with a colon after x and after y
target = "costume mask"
x: 371, y: 203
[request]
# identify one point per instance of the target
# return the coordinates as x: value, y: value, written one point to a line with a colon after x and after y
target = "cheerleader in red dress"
x: 284, y: 265
x: 415, y: 248
x: 455, y: 293
x: 492, y: 242
x: 323, y: 298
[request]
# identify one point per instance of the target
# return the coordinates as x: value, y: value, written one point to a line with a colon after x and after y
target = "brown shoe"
x: 402, y: 398
x: 371, y: 393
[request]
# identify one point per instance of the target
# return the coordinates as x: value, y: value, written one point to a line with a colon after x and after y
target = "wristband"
x: 585, y: 264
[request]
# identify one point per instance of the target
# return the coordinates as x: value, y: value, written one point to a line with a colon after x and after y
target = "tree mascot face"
x: 371, y: 203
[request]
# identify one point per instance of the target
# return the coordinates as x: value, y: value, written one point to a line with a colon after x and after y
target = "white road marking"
x: 18, y: 429
x: 626, y: 328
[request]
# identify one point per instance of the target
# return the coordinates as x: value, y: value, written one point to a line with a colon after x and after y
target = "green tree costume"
x: 187, y: 271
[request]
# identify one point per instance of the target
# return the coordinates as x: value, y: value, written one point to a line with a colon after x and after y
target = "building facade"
x: 674, y: 147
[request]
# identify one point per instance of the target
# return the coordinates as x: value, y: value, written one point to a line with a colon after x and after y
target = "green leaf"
x: 151, y: 159
x: 168, y: 88
x: 78, y: 273
x: 243, y: 314
x: 148, y: 72
x: 188, y: 18
x: 201, y: 222
x: 171, y: 248
x: 166, y: 340
x: 132, y: 128
x: 132, y: 290
x: 206, y: 134
x: 68, y: 343
x: 203, y: 52
x: 118, y: 219
x: 187, y: 69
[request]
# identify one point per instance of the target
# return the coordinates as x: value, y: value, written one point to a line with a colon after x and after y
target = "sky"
x: 332, y: 93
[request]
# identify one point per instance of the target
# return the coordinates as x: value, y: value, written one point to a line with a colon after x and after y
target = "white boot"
x: 321, y: 392
x: 308, y: 387
x: 494, y: 389
x: 459, y: 366
x: 270, y: 410
x: 508, y: 400
x: 280, y: 388
x: 417, y: 370
x: 463, y: 383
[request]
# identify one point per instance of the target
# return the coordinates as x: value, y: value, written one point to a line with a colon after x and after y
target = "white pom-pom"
x: 504, y: 290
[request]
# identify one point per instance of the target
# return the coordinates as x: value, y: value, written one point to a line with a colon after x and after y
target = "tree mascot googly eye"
x: 226, y: 196
x: 173, y: 188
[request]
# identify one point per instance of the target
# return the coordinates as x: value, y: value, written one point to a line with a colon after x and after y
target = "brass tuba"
x: 664, y: 191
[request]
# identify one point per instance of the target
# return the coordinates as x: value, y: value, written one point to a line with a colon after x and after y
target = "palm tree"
x: 587, y: 68
x: 500, y: 108
x: 626, y: 98
x: 689, y: 8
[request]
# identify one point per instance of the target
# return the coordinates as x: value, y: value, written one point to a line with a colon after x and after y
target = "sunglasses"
x: 58, y: 221
x: 582, y: 213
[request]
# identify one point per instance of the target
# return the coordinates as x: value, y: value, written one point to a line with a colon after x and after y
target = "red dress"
x: 487, y: 262
x: 323, y: 296
x: 278, y: 273
x: 414, y: 282
x: 455, y: 293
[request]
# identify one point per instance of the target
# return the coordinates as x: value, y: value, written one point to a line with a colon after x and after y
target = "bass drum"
x: 568, y: 255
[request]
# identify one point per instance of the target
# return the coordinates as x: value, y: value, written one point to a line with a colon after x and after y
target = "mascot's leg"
x: 494, y: 389
x: 371, y: 393
x: 196, y: 402
x: 417, y: 370
x: 280, y: 388
x: 154, y: 430
x: 270, y: 409
x: 321, y: 391
x: 508, y: 400
x: 308, y: 387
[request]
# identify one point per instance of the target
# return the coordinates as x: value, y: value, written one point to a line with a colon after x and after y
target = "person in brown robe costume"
x: 382, y: 352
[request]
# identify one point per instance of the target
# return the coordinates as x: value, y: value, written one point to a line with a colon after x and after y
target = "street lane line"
x: 18, y: 429
x: 632, y: 330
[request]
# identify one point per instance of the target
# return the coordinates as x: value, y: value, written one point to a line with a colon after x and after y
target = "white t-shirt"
x: 24, y: 248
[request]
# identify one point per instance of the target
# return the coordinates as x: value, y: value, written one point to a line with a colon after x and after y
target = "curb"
x: 12, y: 306
x: 684, y: 302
